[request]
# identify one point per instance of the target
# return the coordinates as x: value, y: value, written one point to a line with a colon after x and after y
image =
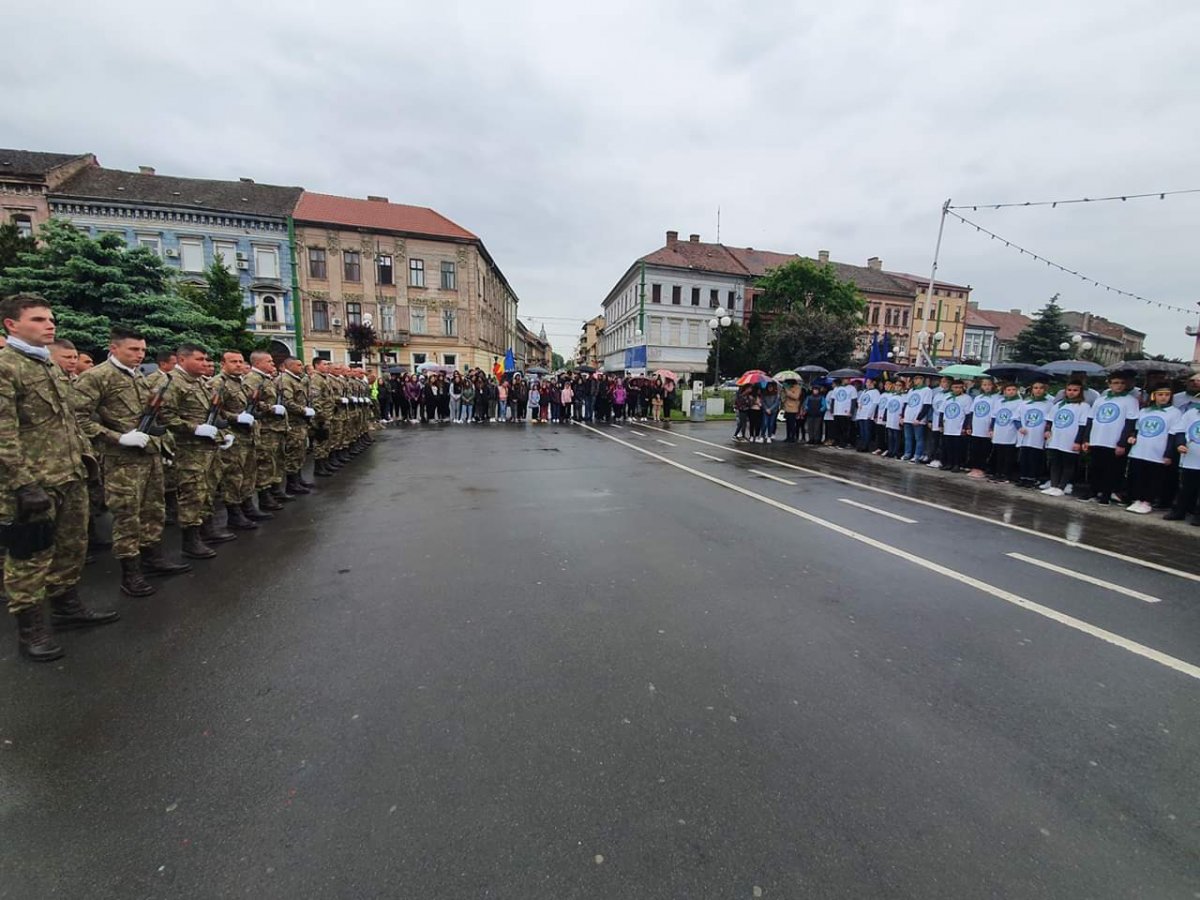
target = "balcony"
x: 263, y: 325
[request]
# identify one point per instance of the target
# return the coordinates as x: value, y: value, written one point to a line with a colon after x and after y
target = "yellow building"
x: 947, y: 316
x: 588, y: 351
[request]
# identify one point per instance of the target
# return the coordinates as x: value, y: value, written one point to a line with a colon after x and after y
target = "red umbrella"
x: 754, y: 376
x: 667, y: 375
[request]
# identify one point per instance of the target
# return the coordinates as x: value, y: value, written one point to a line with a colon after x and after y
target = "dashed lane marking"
x: 878, y: 512
x: 708, y: 456
x: 772, y: 477
x: 1090, y: 579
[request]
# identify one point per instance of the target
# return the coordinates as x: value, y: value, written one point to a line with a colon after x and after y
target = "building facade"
x: 27, y: 177
x: 947, y: 314
x: 532, y: 349
x: 588, y: 351
x: 189, y: 222
x: 1111, y: 341
x: 1008, y: 325
x: 427, y: 286
x: 979, y: 339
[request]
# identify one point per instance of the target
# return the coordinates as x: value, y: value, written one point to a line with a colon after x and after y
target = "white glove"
x: 206, y: 431
x: 228, y: 442
x: 279, y: 409
x: 244, y: 418
x: 345, y: 401
x: 134, y: 438
x: 309, y: 412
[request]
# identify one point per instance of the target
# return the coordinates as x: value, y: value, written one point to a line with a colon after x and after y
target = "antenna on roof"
x: 718, y: 223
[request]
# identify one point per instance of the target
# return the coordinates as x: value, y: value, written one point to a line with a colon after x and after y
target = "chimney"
x: 246, y: 180
x: 672, y: 238
x: 375, y: 199
x: 1016, y: 312
x: 875, y: 263
x: 146, y: 170
x: 972, y: 304
x: 822, y: 256
x: 694, y: 238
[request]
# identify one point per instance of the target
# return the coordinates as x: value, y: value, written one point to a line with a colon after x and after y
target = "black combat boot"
x: 321, y: 469
x: 334, y: 462
x: 172, y: 513
x: 154, y: 563
x: 294, y: 486
x: 68, y: 611
x: 211, y: 533
x: 267, y: 501
x: 133, y: 582
x: 281, y: 492
x: 95, y: 542
x: 237, y: 519
x: 193, y: 546
x: 254, y: 515
x: 34, y: 639
x: 304, y: 482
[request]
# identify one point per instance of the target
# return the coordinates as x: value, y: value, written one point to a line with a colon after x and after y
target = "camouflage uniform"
x: 323, y: 402
x: 295, y: 399
x: 237, y: 464
x: 272, y: 429
x: 109, y: 401
x: 186, y: 405
x: 341, y: 412
x: 156, y: 380
x: 41, y: 444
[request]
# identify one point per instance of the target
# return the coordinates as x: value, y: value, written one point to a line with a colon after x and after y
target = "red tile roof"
x: 351, y: 212
x: 976, y: 320
x: 1009, y: 324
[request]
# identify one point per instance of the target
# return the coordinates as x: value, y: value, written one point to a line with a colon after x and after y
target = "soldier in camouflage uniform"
x: 238, y: 464
x: 157, y: 380
x: 44, y: 464
x: 323, y: 403
x: 272, y: 419
x: 110, y: 401
x: 299, y: 413
x: 185, y: 412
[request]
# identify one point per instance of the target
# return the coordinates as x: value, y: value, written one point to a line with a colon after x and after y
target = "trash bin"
x: 698, y: 409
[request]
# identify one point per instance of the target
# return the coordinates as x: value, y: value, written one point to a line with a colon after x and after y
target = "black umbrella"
x: 1013, y: 371
x: 537, y: 370
x: 812, y: 370
x: 918, y: 370
x: 1146, y: 366
x: 845, y: 373
x: 588, y: 369
x: 1071, y: 366
x: 397, y: 370
x: 882, y: 367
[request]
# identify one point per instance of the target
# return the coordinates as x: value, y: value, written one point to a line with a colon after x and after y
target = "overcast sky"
x: 571, y: 139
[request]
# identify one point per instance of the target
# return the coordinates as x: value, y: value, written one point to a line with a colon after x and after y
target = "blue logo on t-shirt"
x: 1193, y: 433
x: 1152, y: 426
x: 953, y: 410
x: 1063, y: 418
x: 1004, y: 418
x: 894, y: 405
x: 1034, y: 418
x: 840, y: 394
x: 983, y: 409
x: 1108, y: 412
x: 914, y: 399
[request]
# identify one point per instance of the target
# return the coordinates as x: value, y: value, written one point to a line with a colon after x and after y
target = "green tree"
x: 808, y: 337
x: 1039, y: 342
x: 223, y: 299
x: 93, y: 284
x: 740, y: 348
x: 803, y: 284
x: 360, y: 339
x: 556, y: 361
x: 12, y: 244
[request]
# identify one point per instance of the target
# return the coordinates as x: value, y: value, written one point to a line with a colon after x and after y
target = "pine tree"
x: 1039, y: 342
x: 12, y: 244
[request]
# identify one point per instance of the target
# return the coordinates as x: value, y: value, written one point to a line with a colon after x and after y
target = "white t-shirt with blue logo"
x: 1006, y: 421
x: 841, y: 397
x: 895, y: 406
x: 1188, y: 424
x: 914, y: 401
x: 982, y: 410
x: 1065, y: 421
x: 866, y: 404
x: 1153, y: 433
x: 1033, y: 414
x: 954, y: 414
x: 1109, y: 415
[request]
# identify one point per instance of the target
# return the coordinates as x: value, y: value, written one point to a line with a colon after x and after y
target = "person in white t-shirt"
x: 868, y: 400
x: 1149, y: 455
x: 918, y: 405
x: 1006, y: 420
x: 1185, y: 435
x: 1189, y: 395
x: 1114, y: 420
x: 1066, y: 433
x: 938, y: 395
x: 895, y: 421
x: 843, y: 398
x: 982, y: 412
x: 955, y: 422
x: 1031, y: 436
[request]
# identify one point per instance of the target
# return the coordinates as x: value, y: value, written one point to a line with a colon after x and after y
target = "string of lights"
x: 1061, y: 268
x: 1161, y: 195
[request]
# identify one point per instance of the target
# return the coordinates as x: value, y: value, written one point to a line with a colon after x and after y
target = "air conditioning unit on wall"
x: 337, y: 322
x: 171, y: 253
x: 243, y: 264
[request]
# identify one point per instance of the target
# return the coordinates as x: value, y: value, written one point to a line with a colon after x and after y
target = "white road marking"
x: 1098, y: 582
x: 1110, y: 637
x: 878, y: 512
x: 638, y: 433
x: 668, y: 443
x: 708, y: 456
x: 1145, y: 563
x: 615, y: 425
x: 772, y: 477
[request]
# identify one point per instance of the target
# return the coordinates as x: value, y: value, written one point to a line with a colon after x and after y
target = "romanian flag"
x: 509, y: 365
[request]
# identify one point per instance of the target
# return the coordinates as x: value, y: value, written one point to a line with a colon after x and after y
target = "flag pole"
x: 937, y: 249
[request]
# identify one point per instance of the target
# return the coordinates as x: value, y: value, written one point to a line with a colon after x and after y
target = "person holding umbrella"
x: 793, y: 397
x: 770, y: 410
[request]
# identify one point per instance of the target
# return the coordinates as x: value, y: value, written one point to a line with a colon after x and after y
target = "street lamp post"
x: 720, y: 320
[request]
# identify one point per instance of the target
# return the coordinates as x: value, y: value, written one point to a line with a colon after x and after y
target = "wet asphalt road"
x: 489, y: 661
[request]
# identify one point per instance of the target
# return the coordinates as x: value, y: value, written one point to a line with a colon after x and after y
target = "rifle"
x: 252, y: 405
x: 214, y: 409
x: 147, y: 424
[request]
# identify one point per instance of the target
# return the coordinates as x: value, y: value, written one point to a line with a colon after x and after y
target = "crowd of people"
x: 196, y: 437
x: 1139, y: 447
x: 477, y: 396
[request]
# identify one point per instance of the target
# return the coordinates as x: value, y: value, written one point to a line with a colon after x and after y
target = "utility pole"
x: 937, y: 249
x: 297, y: 306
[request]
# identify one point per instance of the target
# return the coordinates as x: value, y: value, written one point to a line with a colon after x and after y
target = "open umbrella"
x: 882, y: 367
x: 1146, y: 366
x: 397, y: 370
x: 918, y: 370
x: 788, y: 375
x: 1071, y: 366
x: 962, y: 370
x: 588, y: 369
x: 812, y: 370
x: 1014, y: 371
x: 666, y: 375
x: 845, y: 373
x: 754, y: 376
x: 537, y: 370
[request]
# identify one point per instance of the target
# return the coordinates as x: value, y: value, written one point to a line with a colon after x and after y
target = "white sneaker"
x: 936, y: 464
x: 1054, y: 492
x: 1044, y: 485
x: 1141, y: 507
x: 1069, y: 490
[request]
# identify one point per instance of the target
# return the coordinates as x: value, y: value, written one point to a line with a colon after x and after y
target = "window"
x: 656, y: 293
x: 326, y: 355
x: 24, y: 226
x: 320, y: 315
x: 227, y: 250
x: 449, y: 322
x: 266, y: 262
x: 383, y: 269
x: 875, y: 315
x: 191, y: 255
x: 676, y: 330
x: 694, y: 334
x: 387, y: 318
x: 419, y: 325
x: 732, y: 300
x: 655, y: 335
x: 695, y: 296
x: 351, y: 265
x: 676, y: 295
x: 449, y: 359
x: 449, y: 277
x: 270, y: 308
x: 957, y: 315
x: 905, y: 314
x: 714, y: 298
x: 416, y: 273
x: 353, y: 313
x: 316, y: 262
x: 419, y: 359
x: 150, y: 242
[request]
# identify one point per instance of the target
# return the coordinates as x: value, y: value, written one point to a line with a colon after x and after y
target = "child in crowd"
x: 894, y: 422
x: 1149, y: 456
x: 535, y: 400
x: 955, y: 424
x: 983, y: 411
x: 933, y: 436
x: 918, y: 406
x: 1031, y: 436
x: 845, y: 399
x: 1066, y: 433
x: 868, y: 401
x: 1185, y: 435
x: 1114, y: 422
x: 1005, y: 423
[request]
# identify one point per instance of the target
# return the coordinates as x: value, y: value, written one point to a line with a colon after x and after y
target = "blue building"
x: 189, y: 222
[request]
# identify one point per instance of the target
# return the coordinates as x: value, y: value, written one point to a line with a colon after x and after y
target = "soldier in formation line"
x: 236, y: 438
